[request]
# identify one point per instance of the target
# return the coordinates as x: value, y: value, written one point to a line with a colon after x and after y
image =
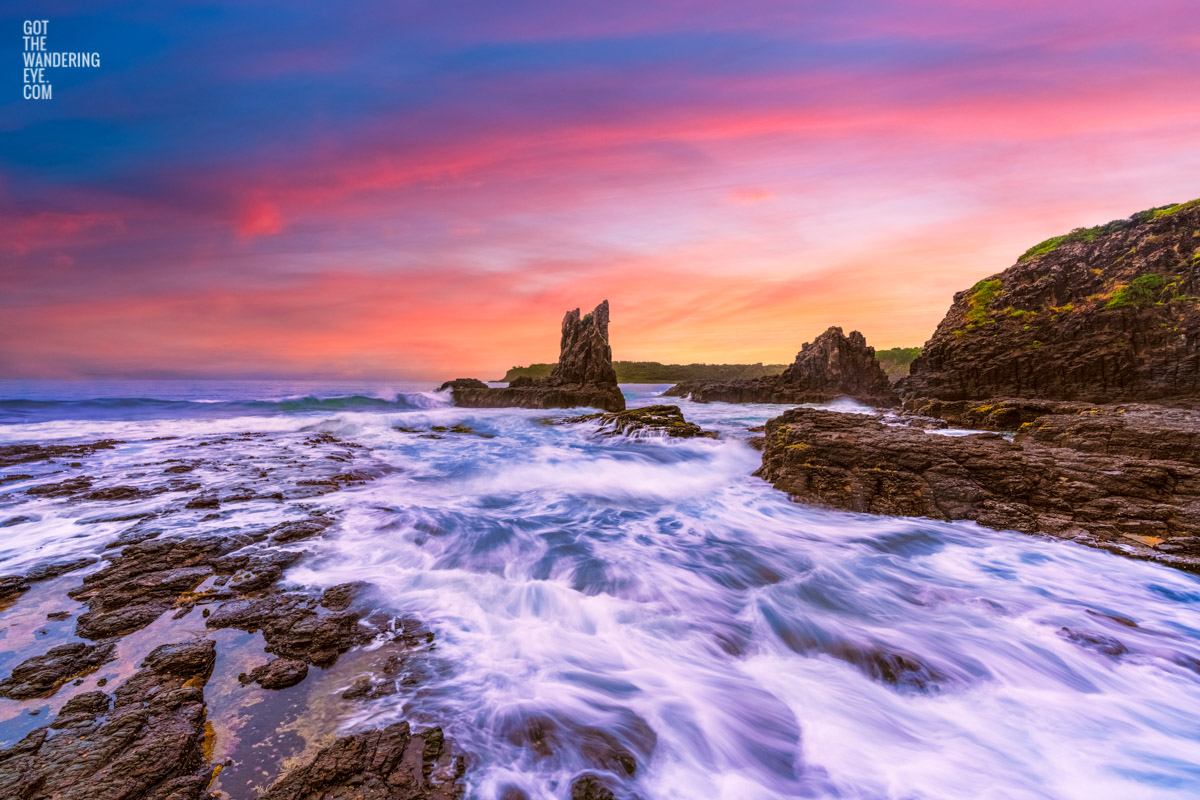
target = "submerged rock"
x: 583, y: 376
x: 1100, y: 642
x: 1096, y: 478
x: 830, y: 367
x: 278, y: 673
x: 658, y: 420
x: 1107, y: 314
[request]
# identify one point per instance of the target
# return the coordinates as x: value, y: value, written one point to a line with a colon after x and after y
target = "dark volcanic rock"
x: 660, y: 420
x: 1108, y: 314
x: 114, y: 493
x: 589, y: 787
x: 1092, y: 477
x: 150, y: 577
x: 833, y: 365
x: 61, y: 489
x: 583, y: 376
x: 13, y: 586
x: 44, y: 572
x: 278, y: 673
x: 1134, y: 431
x: 293, y: 627
x: 340, y: 597
x: 463, y: 383
x: 1002, y: 414
x: 42, y: 675
x: 148, y: 745
x: 144, y: 581
x: 584, y: 357
x: 27, y: 453
x: 289, y: 532
x: 388, y: 764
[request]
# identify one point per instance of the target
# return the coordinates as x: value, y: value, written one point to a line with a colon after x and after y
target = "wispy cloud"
x: 418, y: 190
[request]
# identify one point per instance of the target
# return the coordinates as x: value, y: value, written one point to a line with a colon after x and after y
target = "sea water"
x: 648, y: 608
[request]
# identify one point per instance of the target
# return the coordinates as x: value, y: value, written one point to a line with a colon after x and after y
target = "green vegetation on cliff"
x: 1141, y: 291
x: 1117, y: 225
x: 654, y: 372
x: 982, y: 295
x: 896, y: 360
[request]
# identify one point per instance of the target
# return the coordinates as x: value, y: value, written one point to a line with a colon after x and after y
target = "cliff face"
x: 1105, y: 314
x: 583, y: 376
x: 831, y: 366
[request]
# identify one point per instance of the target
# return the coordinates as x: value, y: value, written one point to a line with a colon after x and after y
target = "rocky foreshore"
x: 1125, y: 478
x: 147, y: 691
x: 830, y: 367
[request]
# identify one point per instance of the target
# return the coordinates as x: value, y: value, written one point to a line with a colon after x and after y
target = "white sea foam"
x: 653, y: 598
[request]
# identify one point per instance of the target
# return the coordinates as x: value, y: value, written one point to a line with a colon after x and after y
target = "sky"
x: 421, y: 189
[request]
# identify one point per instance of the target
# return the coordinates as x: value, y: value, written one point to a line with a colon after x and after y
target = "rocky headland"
x: 1109, y: 314
x: 582, y: 377
x: 830, y: 367
x: 1085, y: 355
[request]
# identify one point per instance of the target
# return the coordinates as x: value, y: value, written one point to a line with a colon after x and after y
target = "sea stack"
x: 583, y: 376
x: 830, y: 367
x: 1109, y: 314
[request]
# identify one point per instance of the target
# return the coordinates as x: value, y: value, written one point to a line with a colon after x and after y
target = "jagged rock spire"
x: 839, y: 364
x: 584, y: 353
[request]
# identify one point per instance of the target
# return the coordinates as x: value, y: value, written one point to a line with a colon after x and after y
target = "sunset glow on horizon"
x: 422, y: 191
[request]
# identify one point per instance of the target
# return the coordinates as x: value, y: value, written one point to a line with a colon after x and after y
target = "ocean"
x: 644, y: 607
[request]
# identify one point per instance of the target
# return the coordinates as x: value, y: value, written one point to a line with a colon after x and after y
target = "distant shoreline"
x: 895, y: 363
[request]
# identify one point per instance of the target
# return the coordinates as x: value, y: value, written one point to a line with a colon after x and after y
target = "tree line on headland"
x: 894, y: 361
